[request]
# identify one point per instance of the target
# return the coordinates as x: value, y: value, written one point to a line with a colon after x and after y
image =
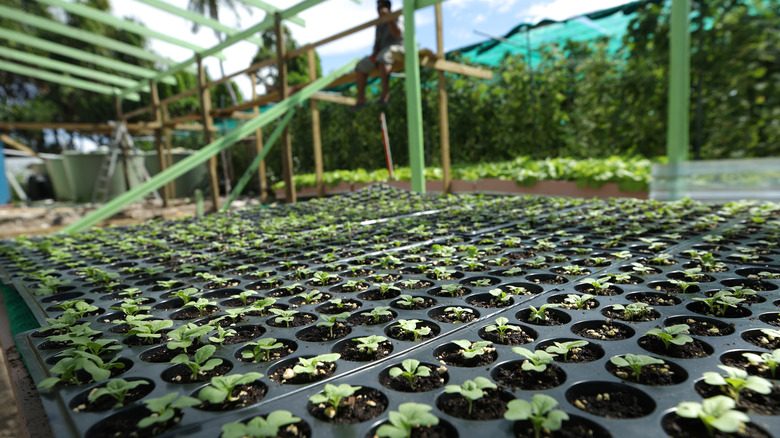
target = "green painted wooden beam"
x: 677, y: 135
x: 271, y: 9
x: 267, y: 145
x: 419, y: 4
x: 413, y: 100
x: 81, y: 55
x: 52, y: 64
x: 198, y: 18
x: 82, y: 35
x: 116, y: 205
x: 267, y: 23
x: 60, y: 79
x: 106, y: 18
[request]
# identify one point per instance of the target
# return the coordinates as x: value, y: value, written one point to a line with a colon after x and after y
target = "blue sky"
x: 461, y: 19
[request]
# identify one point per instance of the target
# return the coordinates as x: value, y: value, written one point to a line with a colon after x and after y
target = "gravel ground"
x: 8, y: 425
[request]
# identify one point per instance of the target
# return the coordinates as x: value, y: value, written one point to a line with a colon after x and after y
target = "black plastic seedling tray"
x: 551, y: 228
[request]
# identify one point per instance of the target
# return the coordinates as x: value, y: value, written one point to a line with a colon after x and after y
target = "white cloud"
x: 495, y: 6
x: 563, y: 9
x: 480, y: 18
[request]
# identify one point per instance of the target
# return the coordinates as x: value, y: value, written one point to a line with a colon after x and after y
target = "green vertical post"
x: 413, y: 100
x: 679, y: 93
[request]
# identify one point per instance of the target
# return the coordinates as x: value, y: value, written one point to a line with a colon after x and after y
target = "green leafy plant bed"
x: 387, y: 313
x: 626, y: 174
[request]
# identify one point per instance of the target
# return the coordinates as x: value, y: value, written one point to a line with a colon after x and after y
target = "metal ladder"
x: 121, y: 142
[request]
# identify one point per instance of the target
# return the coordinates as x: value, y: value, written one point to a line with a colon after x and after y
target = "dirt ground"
x: 46, y: 218
x: 8, y: 423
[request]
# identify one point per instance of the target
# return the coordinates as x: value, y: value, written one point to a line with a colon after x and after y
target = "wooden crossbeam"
x: 16, y: 145
x: 335, y: 98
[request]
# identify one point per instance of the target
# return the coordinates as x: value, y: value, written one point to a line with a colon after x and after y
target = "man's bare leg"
x: 361, y: 78
x: 384, y: 72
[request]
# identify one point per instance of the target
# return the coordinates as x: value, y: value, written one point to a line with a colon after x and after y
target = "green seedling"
x: 187, y: 294
x: 186, y: 336
x: 537, y: 360
x: 261, y: 349
x: 541, y: 411
x: 286, y: 316
x: 221, y: 388
x: 460, y: 312
x: 222, y: 334
x: 130, y: 306
x: 540, y: 313
x: 741, y: 292
x: 147, y: 330
x: 564, y: 348
x: 471, y: 389
x: 409, y: 327
x: 470, y: 350
x: 579, y: 302
x: 116, y: 389
x: 309, y: 366
x: 338, y: 303
x: 330, y: 321
x: 260, y: 427
x: 502, y: 327
x: 49, y: 285
x: 378, y: 312
x: 684, y: 285
x: 262, y: 306
x: 369, y: 344
x: 164, y: 408
x: 673, y: 334
x: 410, y: 284
x: 98, y: 347
x: 78, y: 308
x: 720, y: 302
x: 244, y: 296
x: 633, y: 311
x: 410, y: 370
x: 68, y: 367
x: 408, y: 416
x: 450, y: 289
x: 201, y: 362
x: 167, y: 284
x: 130, y: 292
x: 770, y: 360
x: 332, y: 395
x: 737, y: 380
x: 384, y: 288
x: 640, y: 269
x: 500, y: 296
x: 201, y: 304
x: 513, y: 271
x: 322, y: 278
x: 441, y: 273
x: 717, y: 413
x: 600, y: 286
x: 635, y: 362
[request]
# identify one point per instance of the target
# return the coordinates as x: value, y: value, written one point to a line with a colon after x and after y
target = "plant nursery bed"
x: 382, y: 312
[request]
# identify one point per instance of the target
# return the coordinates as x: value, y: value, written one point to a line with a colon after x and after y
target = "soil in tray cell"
x: 252, y: 353
x: 513, y: 375
x: 413, y: 377
x: 365, y: 404
x: 453, y: 314
x: 81, y: 402
x: 324, y: 334
x: 350, y: 350
x: 654, y: 298
x: 679, y: 427
x: 702, y: 326
x: 690, y: 350
x: 574, y: 427
x: 284, y: 373
x: 551, y: 317
x: 183, y: 374
x: 665, y: 374
x: 442, y: 430
x: 513, y: 335
x: 750, y: 401
x: 295, y: 430
x: 383, y: 316
x: 490, y: 406
x: 124, y: 424
x: 587, y: 353
x: 241, y: 396
x: 477, y: 356
x: 736, y: 359
x: 610, y: 400
x: 603, y: 330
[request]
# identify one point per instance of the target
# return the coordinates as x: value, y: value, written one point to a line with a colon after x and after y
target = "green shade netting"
x: 19, y: 316
x: 610, y: 23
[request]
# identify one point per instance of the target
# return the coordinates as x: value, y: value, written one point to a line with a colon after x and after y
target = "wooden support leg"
x: 158, y: 135
x: 259, y: 146
x: 315, y: 128
x: 287, y: 159
x: 208, y: 135
x: 444, y: 124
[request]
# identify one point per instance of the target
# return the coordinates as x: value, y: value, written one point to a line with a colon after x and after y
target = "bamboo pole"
x: 208, y: 136
x: 413, y: 100
x: 444, y: 123
x: 167, y: 133
x: 315, y: 128
x: 263, y: 181
x: 677, y: 135
x: 281, y: 56
x: 158, y: 137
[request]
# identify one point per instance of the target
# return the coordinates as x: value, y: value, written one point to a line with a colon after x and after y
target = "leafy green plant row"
x: 630, y: 173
